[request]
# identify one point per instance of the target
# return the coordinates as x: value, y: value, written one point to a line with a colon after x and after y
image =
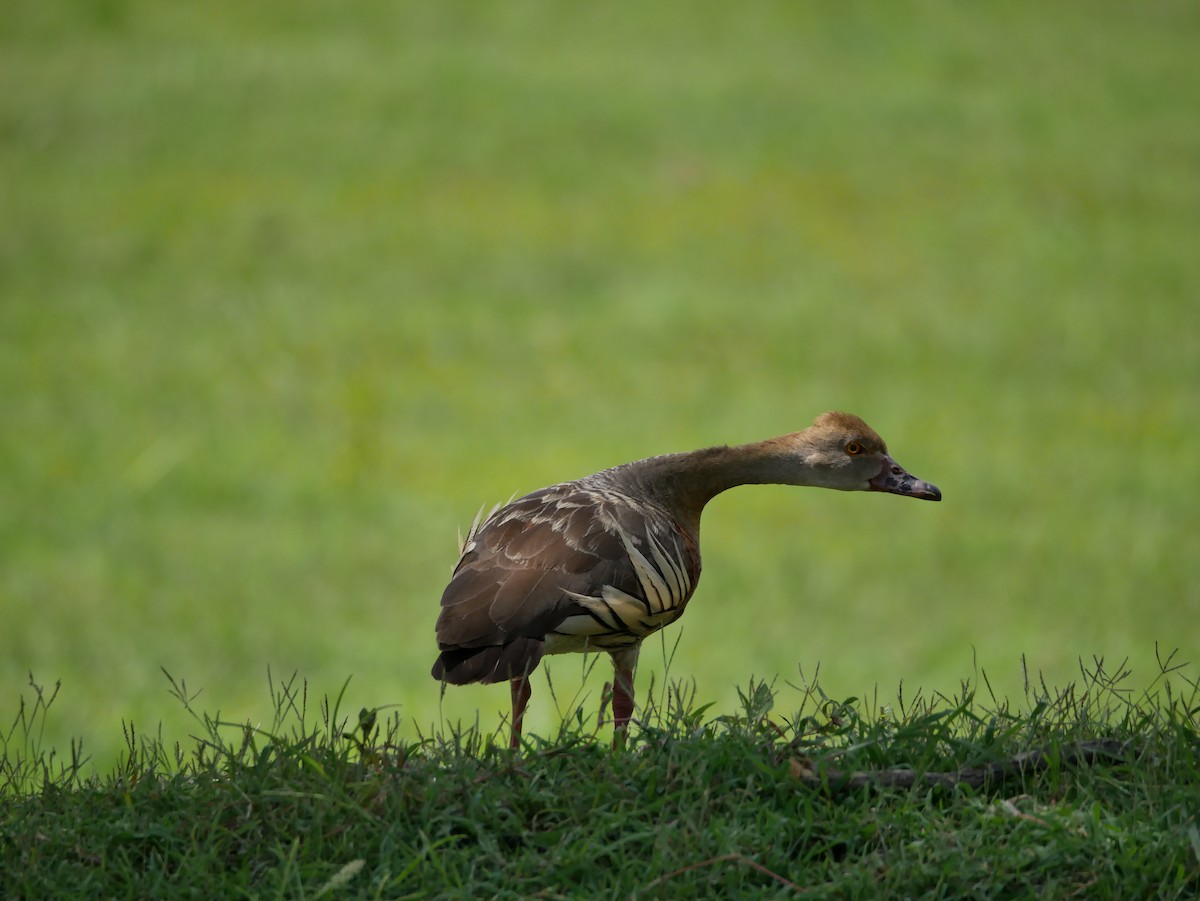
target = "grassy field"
x: 1088, y: 791
x: 289, y: 290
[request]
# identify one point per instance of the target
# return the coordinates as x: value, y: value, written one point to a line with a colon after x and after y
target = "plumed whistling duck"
x: 600, y: 563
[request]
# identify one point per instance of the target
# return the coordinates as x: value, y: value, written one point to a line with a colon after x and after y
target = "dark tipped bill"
x: 894, y: 479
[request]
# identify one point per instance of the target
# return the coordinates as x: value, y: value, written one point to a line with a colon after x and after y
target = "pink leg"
x: 623, y: 698
x: 520, y: 697
x: 624, y: 664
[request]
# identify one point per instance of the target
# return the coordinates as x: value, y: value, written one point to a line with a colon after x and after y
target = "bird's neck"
x: 684, y: 483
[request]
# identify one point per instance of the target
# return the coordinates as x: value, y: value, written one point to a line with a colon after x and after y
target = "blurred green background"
x: 289, y: 290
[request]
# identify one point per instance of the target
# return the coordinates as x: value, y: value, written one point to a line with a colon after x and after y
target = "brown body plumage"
x: 599, y: 563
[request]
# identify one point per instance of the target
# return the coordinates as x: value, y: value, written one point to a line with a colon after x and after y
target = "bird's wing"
x: 520, y: 570
x: 553, y: 558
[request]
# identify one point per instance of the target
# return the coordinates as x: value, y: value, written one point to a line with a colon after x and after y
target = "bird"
x: 602, y: 562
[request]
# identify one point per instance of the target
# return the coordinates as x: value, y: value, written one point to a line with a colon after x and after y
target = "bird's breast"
x: 663, y: 577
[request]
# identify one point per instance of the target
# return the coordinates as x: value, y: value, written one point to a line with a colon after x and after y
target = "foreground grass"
x: 289, y: 290
x: 753, y: 804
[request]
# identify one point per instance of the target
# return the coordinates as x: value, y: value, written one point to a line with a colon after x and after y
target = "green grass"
x: 289, y: 290
x: 754, y: 803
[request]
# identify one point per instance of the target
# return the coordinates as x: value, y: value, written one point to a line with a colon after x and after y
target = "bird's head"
x: 843, y: 452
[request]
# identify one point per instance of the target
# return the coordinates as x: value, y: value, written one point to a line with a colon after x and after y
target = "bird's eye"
x: 853, y: 448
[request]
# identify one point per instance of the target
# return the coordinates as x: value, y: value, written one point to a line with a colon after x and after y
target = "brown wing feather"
x: 519, y: 573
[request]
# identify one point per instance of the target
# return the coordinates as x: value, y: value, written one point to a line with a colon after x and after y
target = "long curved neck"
x: 683, y: 483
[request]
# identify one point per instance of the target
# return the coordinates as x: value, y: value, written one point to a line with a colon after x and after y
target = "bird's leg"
x: 622, y: 705
x: 624, y: 664
x: 520, y: 697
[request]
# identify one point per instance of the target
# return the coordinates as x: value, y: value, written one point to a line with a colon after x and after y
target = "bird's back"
x: 573, y: 567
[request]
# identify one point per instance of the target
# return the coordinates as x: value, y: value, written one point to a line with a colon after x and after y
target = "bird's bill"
x: 895, y: 479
